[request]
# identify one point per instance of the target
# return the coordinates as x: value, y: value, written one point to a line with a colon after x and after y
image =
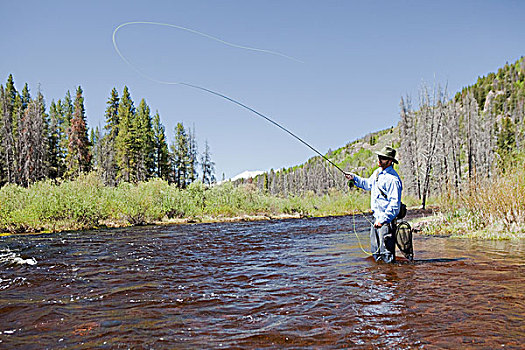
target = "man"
x: 385, y: 201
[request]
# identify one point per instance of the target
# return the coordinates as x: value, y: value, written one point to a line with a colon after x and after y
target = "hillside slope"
x: 320, y: 177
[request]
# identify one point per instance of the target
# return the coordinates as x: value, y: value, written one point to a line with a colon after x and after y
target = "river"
x: 301, y: 283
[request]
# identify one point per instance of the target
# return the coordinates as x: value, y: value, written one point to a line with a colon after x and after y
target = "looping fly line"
x: 190, y: 31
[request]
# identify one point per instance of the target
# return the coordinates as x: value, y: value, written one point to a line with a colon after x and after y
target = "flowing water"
x: 295, y: 283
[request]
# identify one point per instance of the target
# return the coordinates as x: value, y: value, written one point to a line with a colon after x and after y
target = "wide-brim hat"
x: 388, y: 152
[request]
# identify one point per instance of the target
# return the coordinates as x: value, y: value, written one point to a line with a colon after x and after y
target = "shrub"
x: 14, y: 217
x: 85, y: 203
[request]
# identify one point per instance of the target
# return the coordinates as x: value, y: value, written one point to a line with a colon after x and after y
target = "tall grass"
x: 86, y: 203
x: 490, y: 209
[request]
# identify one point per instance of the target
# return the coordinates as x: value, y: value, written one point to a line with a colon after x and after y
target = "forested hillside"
x: 443, y: 143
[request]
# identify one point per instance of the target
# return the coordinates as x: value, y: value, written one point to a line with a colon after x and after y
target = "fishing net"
x: 404, y: 240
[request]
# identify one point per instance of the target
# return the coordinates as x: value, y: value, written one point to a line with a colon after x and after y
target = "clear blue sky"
x: 359, y: 58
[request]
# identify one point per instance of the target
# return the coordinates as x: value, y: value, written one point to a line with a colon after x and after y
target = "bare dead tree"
x: 452, y: 146
x: 519, y: 121
x: 485, y: 142
x: 470, y: 113
x: 32, y: 143
x: 431, y: 115
x: 408, y: 147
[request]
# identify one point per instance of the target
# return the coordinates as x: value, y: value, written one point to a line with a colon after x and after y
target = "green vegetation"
x: 364, y: 158
x: 87, y: 203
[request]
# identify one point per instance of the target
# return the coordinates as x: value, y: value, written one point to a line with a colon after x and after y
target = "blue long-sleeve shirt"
x: 385, y: 208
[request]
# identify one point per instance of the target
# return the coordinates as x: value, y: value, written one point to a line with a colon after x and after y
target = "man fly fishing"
x: 385, y: 200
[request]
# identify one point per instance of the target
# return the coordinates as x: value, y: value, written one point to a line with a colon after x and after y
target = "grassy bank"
x: 492, y: 209
x: 86, y: 203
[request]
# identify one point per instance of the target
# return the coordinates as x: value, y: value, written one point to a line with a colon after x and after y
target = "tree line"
x: 57, y: 144
x: 315, y: 176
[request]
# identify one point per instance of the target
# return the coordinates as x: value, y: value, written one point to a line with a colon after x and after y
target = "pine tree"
x: 3, y: 165
x: 144, y: 142
x: 161, y: 152
x: 180, y: 154
x: 54, y: 152
x: 207, y: 166
x: 65, y: 109
x: 79, y: 156
x: 124, y: 141
x: 96, y: 152
x: 26, y: 97
x: 62, y: 133
x: 192, y: 156
x: 68, y: 109
x: 108, y: 163
x: 9, y: 131
x: 112, y: 119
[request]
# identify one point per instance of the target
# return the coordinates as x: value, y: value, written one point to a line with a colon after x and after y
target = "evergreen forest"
x: 40, y: 144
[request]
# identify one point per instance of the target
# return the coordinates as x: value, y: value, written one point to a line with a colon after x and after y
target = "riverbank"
x: 85, y: 203
x: 494, y: 212
x: 438, y: 223
x: 212, y: 219
x: 484, y: 209
x: 420, y: 219
x: 423, y: 221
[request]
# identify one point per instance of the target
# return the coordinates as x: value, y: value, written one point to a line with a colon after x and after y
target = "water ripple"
x: 294, y: 283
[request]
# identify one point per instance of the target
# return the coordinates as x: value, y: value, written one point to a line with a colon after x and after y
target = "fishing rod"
x: 350, y: 183
x: 296, y: 137
x: 266, y: 118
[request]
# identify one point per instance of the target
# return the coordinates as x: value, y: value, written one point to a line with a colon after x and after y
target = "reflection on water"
x: 294, y: 283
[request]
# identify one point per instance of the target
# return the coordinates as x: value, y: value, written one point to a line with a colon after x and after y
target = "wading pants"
x: 382, y: 243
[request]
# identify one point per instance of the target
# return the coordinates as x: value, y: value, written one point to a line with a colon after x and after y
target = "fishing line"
x: 198, y: 33
x: 358, y: 240
x: 212, y: 91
